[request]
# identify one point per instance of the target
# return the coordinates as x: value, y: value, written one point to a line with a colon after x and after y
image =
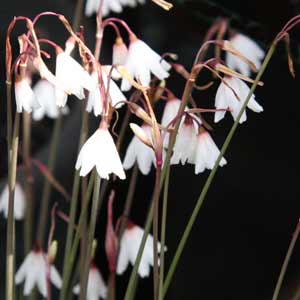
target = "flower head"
x: 44, y: 92
x: 206, y: 153
x: 19, y: 202
x: 141, y: 62
x: 248, y: 48
x: 226, y: 98
x: 33, y: 271
x: 120, y: 52
x: 129, y: 247
x: 96, y: 287
x: 100, y: 151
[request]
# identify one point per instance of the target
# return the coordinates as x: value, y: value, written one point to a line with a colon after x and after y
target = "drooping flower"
x: 138, y: 151
x: 19, y: 202
x: 95, y: 101
x: 96, y: 287
x: 248, y: 48
x: 73, y: 76
x: 226, y: 98
x: 34, y: 271
x: 44, y: 92
x: 141, y: 62
x: 129, y: 247
x: 25, y: 98
x: 100, y: 151
x: 206, y: 153
x: 120, y: 52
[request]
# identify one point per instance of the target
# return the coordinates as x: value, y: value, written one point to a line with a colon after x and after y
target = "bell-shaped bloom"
x: 141, y: 62
x: 96, y: 287
x: 100, y: 151
x: 120, y: 52
x: 129, y: 247
x: 186, y: 140
x: 44, y: 92
x: 226, y: 98
x: 249, y: 49
x: 73, y: 76
x: 95, y: 101
x: 25, y: 98
x: 138, y: 151
x: 19, y: 202
x: 206, y: 153
x: 34, y: 272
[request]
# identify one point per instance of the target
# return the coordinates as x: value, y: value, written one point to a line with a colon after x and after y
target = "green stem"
x: 286, y: 262
x: 9, y: 118
x: 91, y: 233
x: 163, y: 234
x: 10, y: 235
x: 211, y: 176
x: 47, y: 186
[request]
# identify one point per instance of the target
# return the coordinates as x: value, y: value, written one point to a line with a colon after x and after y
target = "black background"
x: 239, y: 241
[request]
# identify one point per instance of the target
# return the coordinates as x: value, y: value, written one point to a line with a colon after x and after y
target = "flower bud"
x: 141, y: 134
x: 52, y: 251
x: 119, y: 52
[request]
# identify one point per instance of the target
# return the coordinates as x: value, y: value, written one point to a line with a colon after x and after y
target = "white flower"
x: 225, y: 98
x: 206, y: 153
x: 138, y: 151
x: 19, y: 202
x: 25, y: 98
x: 116, y: 6
x: 186, y: 140
x: 96, y: 287
x: 248, y: 48
x: 44, y: 92
x: 120, y: 52
x: 73, y: 76
x: 33, y: 271
x: 129, y: 247
x: 100, y: 151
x: 141, y: 62
x: 95, y: 101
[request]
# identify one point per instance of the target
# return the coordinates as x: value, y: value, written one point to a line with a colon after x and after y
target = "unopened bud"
x: 164, y: 4
x: 141, y: 134
x: 94, y: 248
x: 52, y: 251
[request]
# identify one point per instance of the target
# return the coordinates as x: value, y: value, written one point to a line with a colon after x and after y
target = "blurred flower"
x: 120, y: 52
x: 225, y: 98
x: 248, y: 48
x: 44, y: 92
x: 95, y: 101
x: 33, y: 270
x: 141, y: 61
x: 25, y: 98
x: 73, y: 76
x: 129, y: 247
x: 19, y: 202
x: 96, y: 287
x: 138, y: 151
x: 100, y: 151
x: 206, y: 153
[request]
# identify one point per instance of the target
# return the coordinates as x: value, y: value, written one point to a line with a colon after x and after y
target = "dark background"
x: 240, y: 239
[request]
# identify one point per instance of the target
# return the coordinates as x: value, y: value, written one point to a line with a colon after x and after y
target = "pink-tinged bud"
x: 119, y: 52
x: 141, y: 134
x: 111, y: 242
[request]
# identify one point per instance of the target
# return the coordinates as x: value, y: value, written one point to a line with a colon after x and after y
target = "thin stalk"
x: 211, y: 176
x: 8, y: 118
x: 286, y: 262
x: 163, y: 234
x: 77, y: 15
x: 47, y: 186
x: 111, y: 286
x: 27, y: 181
x: 10, y: 235
x: 155, y: 231
x: 91, y: 233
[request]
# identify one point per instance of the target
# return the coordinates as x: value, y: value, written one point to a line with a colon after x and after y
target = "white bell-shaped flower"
x: 249, y: 49
x: 19, y: 202
x: 100, y: 151
x: 206, y: 153
x: 96, y: 287
x: 44, y: 92
x: 138, y: 151
x: 129, y: 247
x: 73, y: 76
x: 120, y: 52
x: 34, y: 271
x: 141, y: 62
x: 226, y: 98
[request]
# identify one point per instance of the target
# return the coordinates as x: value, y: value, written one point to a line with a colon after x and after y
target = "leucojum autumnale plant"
x: 182, y: 136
